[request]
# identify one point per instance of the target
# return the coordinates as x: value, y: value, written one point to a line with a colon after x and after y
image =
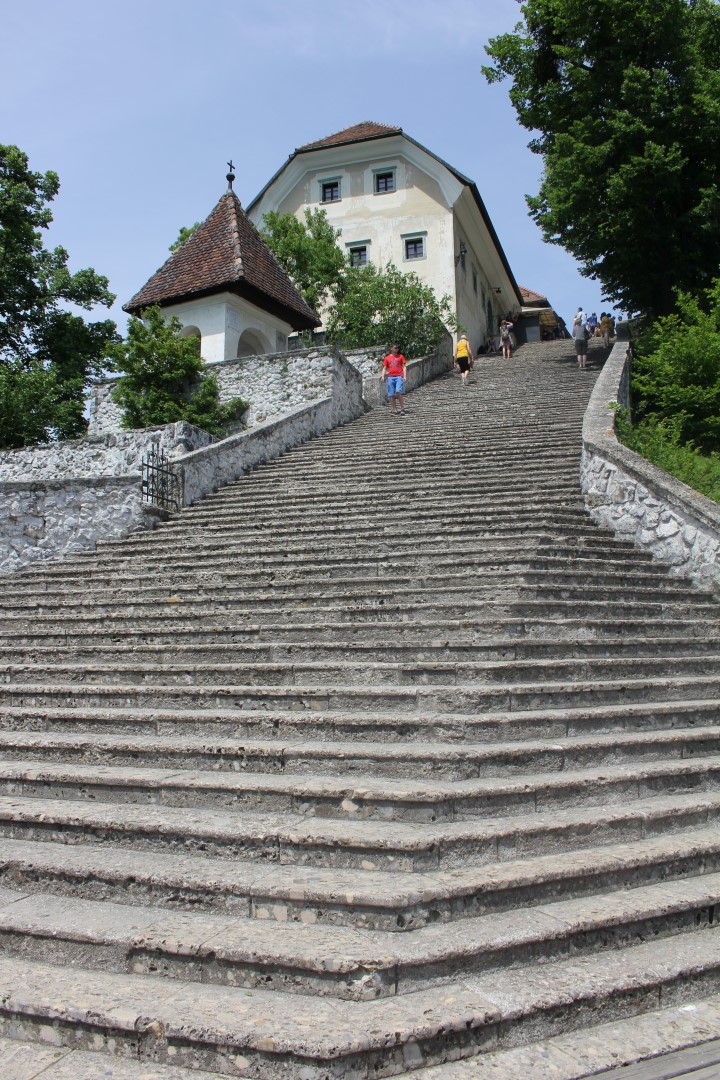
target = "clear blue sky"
x: 139, y: 105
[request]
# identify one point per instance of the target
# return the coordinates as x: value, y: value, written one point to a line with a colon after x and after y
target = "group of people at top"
x: 587, y: 326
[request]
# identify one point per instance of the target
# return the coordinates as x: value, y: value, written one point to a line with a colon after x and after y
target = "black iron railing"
x: 160, y: 485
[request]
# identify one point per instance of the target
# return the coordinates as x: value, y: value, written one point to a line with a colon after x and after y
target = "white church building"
x: 393, y: 200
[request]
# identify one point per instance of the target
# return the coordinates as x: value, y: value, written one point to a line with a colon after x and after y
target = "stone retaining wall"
x: 47, y: 520
x: 117, y: 454
x: 624, y: 492
x: 277, y: 383
x: 206, y: 470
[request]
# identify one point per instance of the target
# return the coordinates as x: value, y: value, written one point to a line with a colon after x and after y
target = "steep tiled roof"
x: 530, y: 297
x: 368, y: 129
x: 226, y: 254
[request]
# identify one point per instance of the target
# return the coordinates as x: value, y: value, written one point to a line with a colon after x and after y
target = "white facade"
x: 428, y: 222
x: 229, y: 326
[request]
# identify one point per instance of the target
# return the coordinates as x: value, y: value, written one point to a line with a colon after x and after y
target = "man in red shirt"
x: 395, y: 370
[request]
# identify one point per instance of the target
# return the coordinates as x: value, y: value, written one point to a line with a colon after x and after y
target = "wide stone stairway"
x: 381, y: 757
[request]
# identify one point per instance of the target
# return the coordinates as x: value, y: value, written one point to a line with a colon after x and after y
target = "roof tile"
x: 368, y: 129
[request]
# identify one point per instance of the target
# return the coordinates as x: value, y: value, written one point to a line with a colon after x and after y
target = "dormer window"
x: 330, y: 191
x: 384, y: 181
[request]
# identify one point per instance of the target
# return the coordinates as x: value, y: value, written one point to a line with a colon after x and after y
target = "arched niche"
x: 192, y: 332
x: 252, y: 343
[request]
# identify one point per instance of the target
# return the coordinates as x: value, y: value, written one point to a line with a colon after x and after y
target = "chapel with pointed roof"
x: 227, y: 288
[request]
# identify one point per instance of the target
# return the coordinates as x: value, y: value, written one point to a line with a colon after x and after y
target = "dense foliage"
x: 164, y: 378
x: 623, y: 100
x: 659, y: 442
x: 381, y: 306
x: 676, y: 370
x: 307, y: 251
x: 47, y: 353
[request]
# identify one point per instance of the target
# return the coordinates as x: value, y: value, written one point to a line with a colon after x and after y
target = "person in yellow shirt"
x: 463, y: 358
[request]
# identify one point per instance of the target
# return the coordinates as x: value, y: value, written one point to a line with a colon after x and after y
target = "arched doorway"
x: 252, y: 343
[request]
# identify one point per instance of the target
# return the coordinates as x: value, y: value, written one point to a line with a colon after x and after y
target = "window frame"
x: 354, y: 249
x: 414, y: 238
x: 330, y: 182
x: 384, y: 173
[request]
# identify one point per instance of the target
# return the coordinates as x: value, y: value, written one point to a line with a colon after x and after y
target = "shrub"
x: 165, y: 380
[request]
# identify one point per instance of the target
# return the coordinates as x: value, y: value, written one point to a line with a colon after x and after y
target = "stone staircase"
x: 381, y: 757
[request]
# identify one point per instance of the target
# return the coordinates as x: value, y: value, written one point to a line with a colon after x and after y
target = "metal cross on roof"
x: 231, y: 175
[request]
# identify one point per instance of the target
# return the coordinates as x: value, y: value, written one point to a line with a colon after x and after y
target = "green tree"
x: 676, y: 371
x: 28, y: 398
x: 623, y: 100
x: 185, y: 233
x: 47, y: 353
x: 165, y: 380
x: 381, y: 306
x: 308, y: 252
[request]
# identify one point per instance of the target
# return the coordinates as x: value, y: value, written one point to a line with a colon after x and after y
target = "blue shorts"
x: 396, y: 385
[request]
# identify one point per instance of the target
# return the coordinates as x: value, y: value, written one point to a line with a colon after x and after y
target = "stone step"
x: 172, y: 628
x: 339, y: 843
x: 677, y: 1041
x: 364, y: 797
x: 246, y: 520
x: 431, y: 530
x: 33, y: 1061
x: 339, y: 671
x: 543, y: 538
x: 342, y: 962
x: 343, y: 560
x: 495, y: 587
x: 365, y: 726
x: 362, y: 492
x: 381, y: 608
x: 502, y: 580
x: 397, y: 902
x: 306, y: 650
x: 448, y: 761
x: 313, y: 1037
x: 323, y: 568
x: 361, y: 495
x: 352, y: 698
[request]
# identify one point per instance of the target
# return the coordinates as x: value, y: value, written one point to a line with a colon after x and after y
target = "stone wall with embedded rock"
x: 118, y: 454
x: 46, y: 520
x: 640, y: 502
x: 278, y: 383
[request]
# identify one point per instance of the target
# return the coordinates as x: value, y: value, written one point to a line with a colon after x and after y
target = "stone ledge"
x: 677, y: 525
